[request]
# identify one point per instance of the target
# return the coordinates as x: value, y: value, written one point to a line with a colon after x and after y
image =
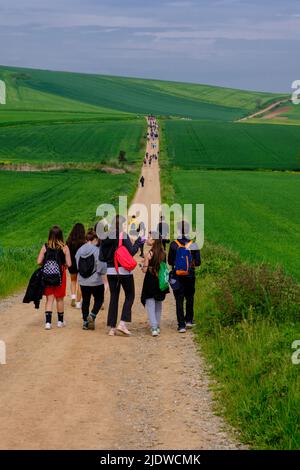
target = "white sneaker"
x: 48, y: 326
x: 61, y: 324
x: 182, y: 330
x: 78, y: 305
x: 154, y: 332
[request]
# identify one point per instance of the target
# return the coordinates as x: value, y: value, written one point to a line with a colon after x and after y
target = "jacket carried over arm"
x: 35, y: 289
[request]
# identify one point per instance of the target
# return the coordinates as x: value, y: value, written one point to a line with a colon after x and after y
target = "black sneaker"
x: 182, y: 329
x: 85, y: 325
x: 91, y: 322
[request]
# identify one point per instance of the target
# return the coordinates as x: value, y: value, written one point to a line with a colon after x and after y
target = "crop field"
x: 292, y: 114
x: 15, y: 117
x: 229, y: 97
x: 253, y: 213
x: 36, y: 89
x: 85, y: 142
x: 195, y: 144
x: 32, y: 202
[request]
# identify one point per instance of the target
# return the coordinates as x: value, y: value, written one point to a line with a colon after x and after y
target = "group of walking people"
x: 94, y: 268
x: 152, y: 137
x: 98, y: 265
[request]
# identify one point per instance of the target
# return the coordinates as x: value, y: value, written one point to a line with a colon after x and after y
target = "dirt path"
x: 74, y: 389
x: 265, y: 110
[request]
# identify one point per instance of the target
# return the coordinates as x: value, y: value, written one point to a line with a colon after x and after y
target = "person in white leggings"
x: 154, y: 308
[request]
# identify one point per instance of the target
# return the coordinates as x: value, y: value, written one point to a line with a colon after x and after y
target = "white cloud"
x: 265, y: 30
x: 180, y: 4
x: 71, y: 20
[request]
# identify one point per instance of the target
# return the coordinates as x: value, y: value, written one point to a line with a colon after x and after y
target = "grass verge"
x: 248, y: 318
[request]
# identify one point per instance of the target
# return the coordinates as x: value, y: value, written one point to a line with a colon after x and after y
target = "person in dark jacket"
x: 186, y: 283
x: 75, y: 241
x: 141, y: 230
x: 119, y: 279
x: 164, y: 231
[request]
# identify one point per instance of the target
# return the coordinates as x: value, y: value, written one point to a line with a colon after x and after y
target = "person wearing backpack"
x: 90, y: 277
x: 154, y: 287
x: 184, y: 257
x: 117, y: 251
x: 141, y: 230
x: 133, y: 225
x: 53, y: 258
x: 75, y: 240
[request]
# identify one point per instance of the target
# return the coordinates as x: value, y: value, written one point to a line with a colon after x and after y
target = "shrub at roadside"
x: 249, y: 292
x: 248, y: 317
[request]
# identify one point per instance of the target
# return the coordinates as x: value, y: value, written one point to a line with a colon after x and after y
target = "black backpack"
x: 86, y: 266
x: 51, y: 270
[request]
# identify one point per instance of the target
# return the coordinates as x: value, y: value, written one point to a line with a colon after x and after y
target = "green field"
x: 256, y: 214
x: 196, y: 144
x: 15, y: 117
x: 33, y: 89
x: 76, y: 142
x: 247, y: 313
x: 32, y: 202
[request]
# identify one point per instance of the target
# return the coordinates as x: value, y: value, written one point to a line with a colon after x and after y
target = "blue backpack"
x: 183, y: 260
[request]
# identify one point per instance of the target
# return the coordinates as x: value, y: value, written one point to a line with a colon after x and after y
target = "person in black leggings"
x: 91, y: 282
x: 119, y: 279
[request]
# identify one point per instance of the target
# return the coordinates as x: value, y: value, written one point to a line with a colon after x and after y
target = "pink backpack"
x: 123, y: 257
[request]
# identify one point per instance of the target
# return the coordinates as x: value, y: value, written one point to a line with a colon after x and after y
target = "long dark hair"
x: 76, y: 237
x: 56, y: 238
x: 158, y: 255
x: 91, y: 235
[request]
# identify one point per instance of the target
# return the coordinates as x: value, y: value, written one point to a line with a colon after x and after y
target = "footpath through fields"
x: 74, y: 389
x: 265, y: 110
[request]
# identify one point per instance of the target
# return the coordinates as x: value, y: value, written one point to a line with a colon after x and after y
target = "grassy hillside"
x: 84, y: 142
x: 230, y: 97
x: 292, y: 114
x: 195, y: 144
x: 255, y: 214
x: 31, y: 89
x: 23, y: 95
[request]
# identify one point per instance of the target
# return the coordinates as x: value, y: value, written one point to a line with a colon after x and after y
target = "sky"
x: 248, y: 44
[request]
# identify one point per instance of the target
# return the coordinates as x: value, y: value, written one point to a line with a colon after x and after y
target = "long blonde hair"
x: 56, y: 238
